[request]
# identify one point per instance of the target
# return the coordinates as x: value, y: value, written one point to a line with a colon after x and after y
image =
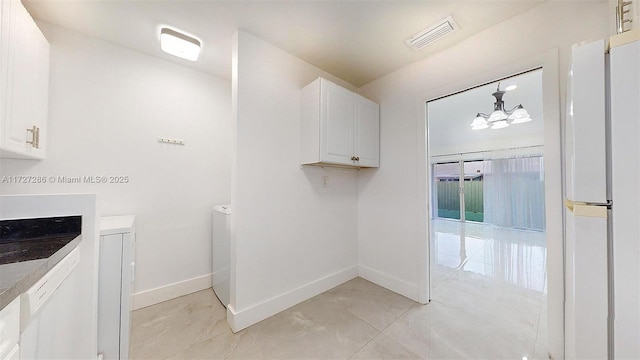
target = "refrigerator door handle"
x: 587, y: 210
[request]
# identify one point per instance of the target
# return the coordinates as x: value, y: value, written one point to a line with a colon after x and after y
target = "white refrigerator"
x: 602, y: 239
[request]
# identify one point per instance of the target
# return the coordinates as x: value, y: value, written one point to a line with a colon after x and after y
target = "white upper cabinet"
x: 337, y: 111
x: 24, y: 83
x: 367, y: 132
x: 338, y: 127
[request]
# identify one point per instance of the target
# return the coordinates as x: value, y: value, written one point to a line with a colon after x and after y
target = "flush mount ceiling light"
x: 431, y: 34
x: 179, y: 44
x: 500, y: 118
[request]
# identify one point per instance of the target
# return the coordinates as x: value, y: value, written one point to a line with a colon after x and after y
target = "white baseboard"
x: 239, y: 320
x: 390, y: 282
x: 171, y: 291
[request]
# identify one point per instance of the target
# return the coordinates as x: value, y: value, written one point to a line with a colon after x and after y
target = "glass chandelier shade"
x: 500, y: 118
x: 520, y: 115
x: 500, y: 124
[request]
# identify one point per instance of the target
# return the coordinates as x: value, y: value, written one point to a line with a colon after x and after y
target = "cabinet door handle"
x: 353, y: 158
x: 357, y: 158
x: 35, y: 137
x: 38, y: 139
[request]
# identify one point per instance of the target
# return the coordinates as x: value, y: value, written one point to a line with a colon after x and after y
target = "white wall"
x: 107, y: 106
x: 392, y: 243
x: 292, y: 237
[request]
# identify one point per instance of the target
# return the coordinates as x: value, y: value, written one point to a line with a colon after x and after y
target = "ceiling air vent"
x: 433, y: 33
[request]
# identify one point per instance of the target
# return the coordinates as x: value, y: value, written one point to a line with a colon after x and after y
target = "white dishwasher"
x: 221, y: 246
x: 10, y: 331
x: 115, y: 285
x: 47, y: 316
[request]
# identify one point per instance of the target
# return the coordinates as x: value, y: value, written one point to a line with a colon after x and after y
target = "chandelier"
x: 500, y: 118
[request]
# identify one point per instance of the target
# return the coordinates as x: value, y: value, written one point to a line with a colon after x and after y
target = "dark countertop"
x: 36, y: 249
x: 29, y: 248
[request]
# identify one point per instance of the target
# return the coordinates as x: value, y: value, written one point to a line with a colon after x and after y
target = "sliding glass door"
x: 459, y: 190
x: 473, y: 190
x: 447, y: 200
x: 505, y: 192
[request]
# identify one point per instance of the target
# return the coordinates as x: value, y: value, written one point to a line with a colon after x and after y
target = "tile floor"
x: 488, y: 302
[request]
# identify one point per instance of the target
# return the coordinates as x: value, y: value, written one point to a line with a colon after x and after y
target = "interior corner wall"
x: 107, y: 107
x: 391, y: 223
x: 292, y: 237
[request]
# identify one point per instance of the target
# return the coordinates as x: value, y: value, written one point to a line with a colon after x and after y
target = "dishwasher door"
x: 49, y: 320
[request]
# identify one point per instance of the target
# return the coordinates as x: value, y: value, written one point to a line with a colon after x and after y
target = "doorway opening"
x: 487, y: 225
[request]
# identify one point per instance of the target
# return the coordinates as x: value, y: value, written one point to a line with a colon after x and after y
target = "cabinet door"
x: 5, y: 12
x: 337, y: 112
x: 109, y: 290
x: 25, y: 80
x: 367, y: 133
x: 39, y: 105
x: 13, y: 128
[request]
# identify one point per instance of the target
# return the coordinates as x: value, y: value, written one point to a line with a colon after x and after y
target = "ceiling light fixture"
x: 511, y: 87
x: 179, y: 44
x: 500, y: 118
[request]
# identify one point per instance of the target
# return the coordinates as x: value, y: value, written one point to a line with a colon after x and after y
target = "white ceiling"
x: 358, y: 41
x: 449, y: 118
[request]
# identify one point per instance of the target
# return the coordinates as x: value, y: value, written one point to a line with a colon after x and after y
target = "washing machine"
x: 221, y: 260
